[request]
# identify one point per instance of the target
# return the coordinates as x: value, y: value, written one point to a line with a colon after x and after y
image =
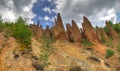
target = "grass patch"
x: 102, y: 39
x: 109, y: 43
x: 86, y: 43
x: 19, y: 30
x: 46, y: 49
x: 109, y: 53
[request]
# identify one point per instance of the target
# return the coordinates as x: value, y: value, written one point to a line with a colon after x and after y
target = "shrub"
x: 22, y: 33
x: 109, y: 42
x: 86, y: 42
x: 102, y: 39
x: 46, y: 49
x: 109, y: 53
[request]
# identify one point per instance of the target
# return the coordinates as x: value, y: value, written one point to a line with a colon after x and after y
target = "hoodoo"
x: 89, y: 31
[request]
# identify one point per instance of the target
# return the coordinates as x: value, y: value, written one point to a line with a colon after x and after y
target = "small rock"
x: 108, y: 65
x: 34, y: 57
x: 76, y: 68
x: 16, y: 56
x: 89, y: 49
x: 37, y: 66
x: 118, y: 69
x: 94, y: 59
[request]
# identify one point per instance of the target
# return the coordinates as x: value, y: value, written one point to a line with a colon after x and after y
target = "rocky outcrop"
x: 48, y: 31
x: 98, y: 32
x: 89, y: 31
x: 37, y: 30
x: 76, y: 32
x: 111, y: 31
x: 70, y: 32
x: 101, y: 34
x: 73, y: 32
x: 104, y: 34
x: 58, y: 30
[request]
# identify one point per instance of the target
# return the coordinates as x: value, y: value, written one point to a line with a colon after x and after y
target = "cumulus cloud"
x: 10, y: 10
x: 46, y: 18
x: 47, y: 9
x: 96, y: 10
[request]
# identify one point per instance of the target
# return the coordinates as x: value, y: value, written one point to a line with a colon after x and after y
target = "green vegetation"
x: 19, y: 30
x: 102, y: 39
x: 118, y: 49
x: 115, y: 26
x: 109, y: 42
x: 109, y: 53
x: 22, y: 33
x: 46, y: 49
x: 86, y: 42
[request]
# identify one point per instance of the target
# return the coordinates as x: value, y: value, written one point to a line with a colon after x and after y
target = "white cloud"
x: 8, y: 15
x: 47, y: 9
x: 109, y: 16
x: 97, y: 11
x: 46, y: 18
x: 49, y: 0
x: 10, y: 10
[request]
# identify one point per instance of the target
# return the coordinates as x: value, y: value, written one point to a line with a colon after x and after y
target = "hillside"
x: 31, y: 48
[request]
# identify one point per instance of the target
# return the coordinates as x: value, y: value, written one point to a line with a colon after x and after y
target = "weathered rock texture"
x: 89, y: 31
x: 101, y: 34
x: 48, y: 31
x: 37, y: 30
x: 58, y: 30
x: 111, y: 32
x: 73, y: 32
x: 76, y: 32
x: 70, y: 32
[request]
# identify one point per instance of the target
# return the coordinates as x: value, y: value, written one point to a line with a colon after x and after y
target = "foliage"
x: 109, y: 42
x: 102, y: 39
x: 86, y: 42
x: 22, y: 33
x: 46, y: 49
x: 19, y: 30
x: 109, y: 53
x: 115, y: 26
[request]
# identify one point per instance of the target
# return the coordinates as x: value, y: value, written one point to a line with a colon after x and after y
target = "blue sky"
x: 97, y: 11
x: 44, y: 12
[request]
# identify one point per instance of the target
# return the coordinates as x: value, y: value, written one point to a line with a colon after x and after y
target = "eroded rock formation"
x: 74, y: 32
x: 58, y: 30
x: 48, y: 31
x: 111, y: 31
x: 101, y: 34
x: 37, y: 30
x: 89, y: 31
